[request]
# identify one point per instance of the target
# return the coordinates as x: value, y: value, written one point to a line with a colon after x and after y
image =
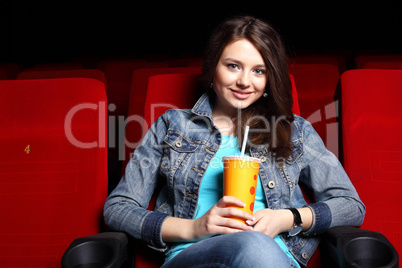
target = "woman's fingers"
x: 235, y: 213
x: 225, y: 225
x: 223, y: 218
x: 228, y: 201
x: 230, y: 205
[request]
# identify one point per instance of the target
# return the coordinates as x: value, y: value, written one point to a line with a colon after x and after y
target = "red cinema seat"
x: 379, y: 61
x: 34, y: 73
x: 133, y: 128
x: 11, y: 69
x: 316, y: 85
x: 3, y: 74
x: 185, y: 62
x: 59, y: 66
x: 337, y: 60
x: 118, y: 75
x: 171, y: 91
x: 53, y: 167
x: 372, y: 149
x: 389, y: 65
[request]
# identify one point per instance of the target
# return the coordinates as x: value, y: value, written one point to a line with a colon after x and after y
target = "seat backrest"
x: 372, y: 149
x: 53, y: 167
x: 58, y: 66
x: 173, y: 91
x: 185, y: 62
x: 138, y: 92
x: 370, y: 60
x: 337, y: 60
x: 118, y: 75
x: 3, y: 74
x: 46, y: 74
x: 316, y: 85
x: 390, y: 65
x: 11, y: 69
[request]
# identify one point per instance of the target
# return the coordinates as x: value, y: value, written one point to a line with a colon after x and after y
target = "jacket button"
x: 271, y: 184
x: 280, y: 164
x: 193, y: 196
x: 178, y: 144
x: 263, y: 159
x: 304, y: 255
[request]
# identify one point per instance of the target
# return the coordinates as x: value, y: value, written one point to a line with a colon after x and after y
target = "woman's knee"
x: 253, y: 241
x: 255, y: 249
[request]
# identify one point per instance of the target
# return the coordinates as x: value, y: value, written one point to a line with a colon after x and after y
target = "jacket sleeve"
x: 125, y: 208
x: 337, y: 202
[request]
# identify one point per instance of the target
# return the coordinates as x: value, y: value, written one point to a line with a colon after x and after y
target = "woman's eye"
x: 259, y: 71
x: 233, y: 66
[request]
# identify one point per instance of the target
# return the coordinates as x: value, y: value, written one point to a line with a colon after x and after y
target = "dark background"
x: 42, y: 31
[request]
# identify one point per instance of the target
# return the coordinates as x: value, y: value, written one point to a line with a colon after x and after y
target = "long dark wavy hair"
x: 275, y: 109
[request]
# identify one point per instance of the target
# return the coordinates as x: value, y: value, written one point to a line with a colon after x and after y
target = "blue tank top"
x: 211, y: 191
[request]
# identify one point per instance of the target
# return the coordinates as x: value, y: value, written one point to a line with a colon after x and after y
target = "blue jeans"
x: 243, y: 249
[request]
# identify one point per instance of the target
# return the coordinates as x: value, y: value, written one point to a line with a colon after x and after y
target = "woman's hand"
x: 272, y: 222
x: 220, y: 219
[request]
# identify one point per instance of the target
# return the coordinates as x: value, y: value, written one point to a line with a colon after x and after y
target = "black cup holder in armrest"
x: 367, y: 251
x: 105, y: 250
x: 353, y: 247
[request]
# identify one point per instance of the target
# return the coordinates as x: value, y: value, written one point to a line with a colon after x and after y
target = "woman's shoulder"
x: 298, y: 125
x: 178, y: 111
x: 304, y: 133
x: 300, y: 122
x: 176, y: 114
x: 173, y: 117
x: 301, y: 128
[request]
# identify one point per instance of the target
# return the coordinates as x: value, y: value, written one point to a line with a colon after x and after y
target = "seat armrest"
x: 107, y: 250
x: 347, y: 246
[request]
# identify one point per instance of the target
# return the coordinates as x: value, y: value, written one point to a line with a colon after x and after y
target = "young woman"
x: 247, y: 81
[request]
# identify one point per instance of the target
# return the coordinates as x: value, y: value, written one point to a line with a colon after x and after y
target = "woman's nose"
x: 243, y: 80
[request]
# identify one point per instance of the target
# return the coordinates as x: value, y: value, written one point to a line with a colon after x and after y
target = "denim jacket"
x: 175, y: 154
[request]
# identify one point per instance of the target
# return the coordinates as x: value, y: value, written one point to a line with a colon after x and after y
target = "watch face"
x: 296, y: 230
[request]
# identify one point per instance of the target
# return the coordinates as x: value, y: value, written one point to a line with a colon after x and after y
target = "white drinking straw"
x: 243, y: 147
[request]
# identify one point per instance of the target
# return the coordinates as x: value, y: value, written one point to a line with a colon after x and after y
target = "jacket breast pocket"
x: 179, y: 148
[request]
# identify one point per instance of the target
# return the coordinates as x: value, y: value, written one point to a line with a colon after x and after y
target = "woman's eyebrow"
x: 260, y: 66
x: 239, y: 62
x: 232, y: 60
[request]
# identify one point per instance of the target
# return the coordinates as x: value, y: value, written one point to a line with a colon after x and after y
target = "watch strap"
x: 296, y: 215
x: 297, y: 225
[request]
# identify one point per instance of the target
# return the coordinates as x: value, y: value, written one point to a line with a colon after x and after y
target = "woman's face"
x: 240, y: 77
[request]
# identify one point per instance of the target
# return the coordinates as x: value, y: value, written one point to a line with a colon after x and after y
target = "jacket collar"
x: 203, y: 107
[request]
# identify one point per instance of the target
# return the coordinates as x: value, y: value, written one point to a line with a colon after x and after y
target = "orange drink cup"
x: 240, y: 179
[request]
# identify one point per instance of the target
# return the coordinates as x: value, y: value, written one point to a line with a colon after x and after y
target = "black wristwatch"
x: 298, y: 224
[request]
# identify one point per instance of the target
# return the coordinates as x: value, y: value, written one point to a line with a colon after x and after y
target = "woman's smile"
x: 241, y: 94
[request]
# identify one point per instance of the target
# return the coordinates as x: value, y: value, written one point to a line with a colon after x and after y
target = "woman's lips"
x: 242, y: 95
